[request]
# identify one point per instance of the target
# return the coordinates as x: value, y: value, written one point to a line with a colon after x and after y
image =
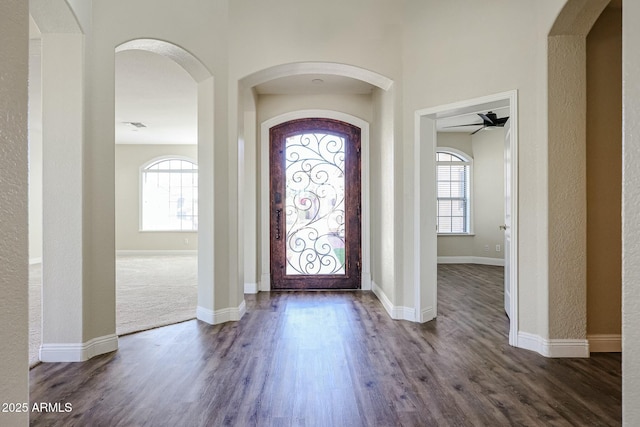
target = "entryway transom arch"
x: 310, y: 68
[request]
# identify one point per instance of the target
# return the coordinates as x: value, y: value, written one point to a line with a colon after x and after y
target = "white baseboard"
x: 35, y: 261
x: 250, y: 288
x: 553, y: 347
x: 231, y: 314
x: 78, y: 352
x: 427, y: 314
x: 127, y: 252
x: 605, y: 343
x: 395, y: 312
x: 471, y: 260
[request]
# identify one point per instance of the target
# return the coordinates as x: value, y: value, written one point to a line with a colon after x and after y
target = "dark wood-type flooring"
x: 337, y: 359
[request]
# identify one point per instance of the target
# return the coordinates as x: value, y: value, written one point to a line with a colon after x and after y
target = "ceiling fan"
x: 489, y: 120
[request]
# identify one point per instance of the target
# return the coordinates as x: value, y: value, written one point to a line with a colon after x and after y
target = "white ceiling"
x: 157, y: 92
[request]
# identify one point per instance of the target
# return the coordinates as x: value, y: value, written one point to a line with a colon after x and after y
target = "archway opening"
x: 328, y: 90
x: 156, y: 187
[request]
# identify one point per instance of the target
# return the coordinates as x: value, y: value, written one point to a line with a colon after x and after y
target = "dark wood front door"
x: 315, y: 205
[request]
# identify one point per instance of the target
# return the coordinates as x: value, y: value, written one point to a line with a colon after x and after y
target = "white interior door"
x: 507, y: 217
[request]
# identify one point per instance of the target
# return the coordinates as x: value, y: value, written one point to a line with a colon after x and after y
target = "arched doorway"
x: 205, y: 148
x: 255, y: 191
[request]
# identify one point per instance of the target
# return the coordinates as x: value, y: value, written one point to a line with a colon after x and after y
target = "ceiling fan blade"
x: 474, y: 132
x: 501, y: 121
x: 486, y: 118
x: 459, y: 126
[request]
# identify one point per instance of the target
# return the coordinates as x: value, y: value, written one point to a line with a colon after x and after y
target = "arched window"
x: 169, y: 195
x: 454, y: 191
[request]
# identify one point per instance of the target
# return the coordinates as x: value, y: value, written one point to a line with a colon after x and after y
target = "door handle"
x: 278, y: 221
x: 503, y: 227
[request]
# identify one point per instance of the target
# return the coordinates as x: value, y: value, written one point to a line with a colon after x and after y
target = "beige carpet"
x: 151, y: 291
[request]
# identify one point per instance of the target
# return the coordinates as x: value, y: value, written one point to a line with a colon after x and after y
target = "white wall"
x: 270, y: 106
x: 383, y: 233
x: 35, y: 150
x: 488, y: 190
x: 14, y: 374
x: 129, y: 159
x: 439, y: 73
x: 362, y: 35
x: 486, y: 148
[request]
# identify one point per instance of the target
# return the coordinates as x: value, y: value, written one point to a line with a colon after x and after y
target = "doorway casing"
x: 425, y: 243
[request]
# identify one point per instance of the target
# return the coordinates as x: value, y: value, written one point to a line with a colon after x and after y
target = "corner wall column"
x: 62, y: 133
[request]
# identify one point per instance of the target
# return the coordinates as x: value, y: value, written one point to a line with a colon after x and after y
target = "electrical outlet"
x: 497, y: 248
x: 486, y: 248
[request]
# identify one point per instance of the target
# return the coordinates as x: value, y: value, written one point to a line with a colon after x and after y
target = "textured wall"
x: 630, y: 217
x: 567, y: 231
x: 567, y: 189
x: 14, y: 33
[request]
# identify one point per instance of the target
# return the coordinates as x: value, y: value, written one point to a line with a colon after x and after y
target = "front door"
x: 315, y: 205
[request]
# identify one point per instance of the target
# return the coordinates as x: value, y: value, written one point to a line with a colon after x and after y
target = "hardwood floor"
x: 337, y: 359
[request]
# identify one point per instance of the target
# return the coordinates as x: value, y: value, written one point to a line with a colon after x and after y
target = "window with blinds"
x: 453, y: 190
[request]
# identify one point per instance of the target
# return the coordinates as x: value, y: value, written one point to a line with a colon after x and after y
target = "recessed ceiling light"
x: 317, y: 81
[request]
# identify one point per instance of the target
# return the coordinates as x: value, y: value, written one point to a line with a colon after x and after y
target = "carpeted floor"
x: 151, y: 291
